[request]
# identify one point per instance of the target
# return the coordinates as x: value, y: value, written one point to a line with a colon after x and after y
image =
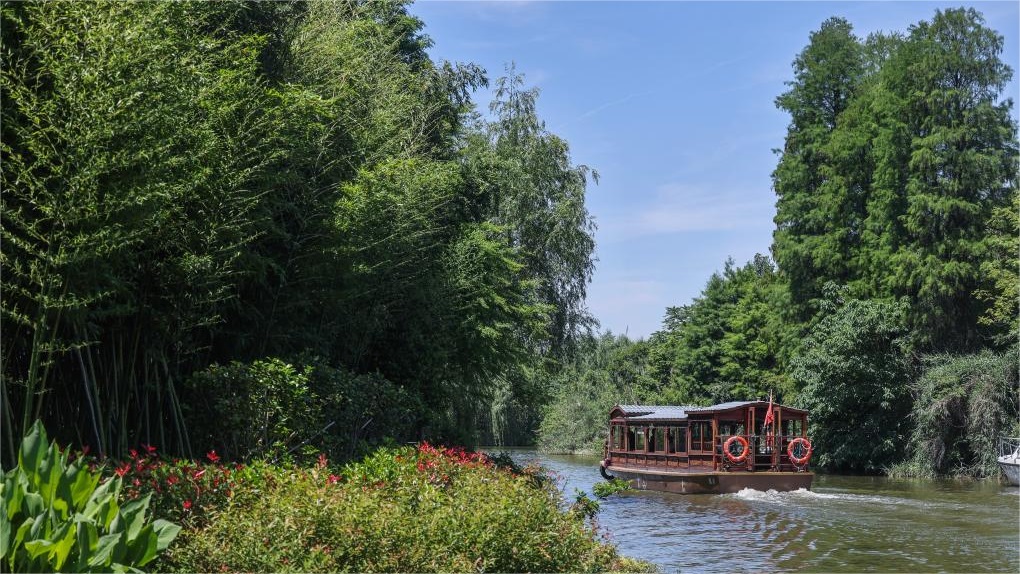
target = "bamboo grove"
x: 889, y: 306
x: 279, y: 222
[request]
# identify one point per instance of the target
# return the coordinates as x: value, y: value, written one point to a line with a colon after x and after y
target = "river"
x: 844, y: 524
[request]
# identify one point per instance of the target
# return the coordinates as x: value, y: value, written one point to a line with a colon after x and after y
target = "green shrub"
x: 962, y: 405
x: 56, y: 516
x: 248, y: 410
x: 610, y: 487
x: 366, y: 410
x: 425, y: 510
x: 274, y: 409
x: 855, y: 377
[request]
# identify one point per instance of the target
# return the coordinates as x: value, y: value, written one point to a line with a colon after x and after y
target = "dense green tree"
x: 1002, y: 268
x: 522, y: 179
x: 196, y: 183
x: 729, y: 343
x: 130, y: 139
x: 607, y: 370
x: 962, y: 164
x: 528, y: 185
x: 854, y: 372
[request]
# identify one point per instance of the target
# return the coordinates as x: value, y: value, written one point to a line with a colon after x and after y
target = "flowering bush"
x: 413, y: 510
x: 182, y: 490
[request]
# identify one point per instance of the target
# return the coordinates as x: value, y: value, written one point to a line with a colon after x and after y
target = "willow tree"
x: 523, y: 179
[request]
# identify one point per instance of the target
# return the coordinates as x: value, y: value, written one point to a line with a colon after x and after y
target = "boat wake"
x: 804, y: 495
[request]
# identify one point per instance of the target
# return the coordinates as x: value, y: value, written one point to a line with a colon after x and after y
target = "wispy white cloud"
x: 601, y: 107
x: 681, y: 208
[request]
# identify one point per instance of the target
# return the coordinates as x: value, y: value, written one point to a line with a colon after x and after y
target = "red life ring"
x: 799, y: 461
x: 745, y: 449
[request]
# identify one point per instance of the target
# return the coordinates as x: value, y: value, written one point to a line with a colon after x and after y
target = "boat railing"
x: 763, y: 455
x: 767, y: 452
x: 1008, y: 445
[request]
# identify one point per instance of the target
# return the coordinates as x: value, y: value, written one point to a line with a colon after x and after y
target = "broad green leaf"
x: 82, y: 487
x: 64, y: 542
x: 5, y: 533
x: 133, y: 514
x: 14, y: 494
x: 33, y: 448
x: 23, y: 532
x: 87, y: 538
x: 102, y: 503
x: 165, y: 532
x: 143, y: 548
x: 105, y: 549
x: 33, y: 504
x: 50, y: 473
x: 36, y: 548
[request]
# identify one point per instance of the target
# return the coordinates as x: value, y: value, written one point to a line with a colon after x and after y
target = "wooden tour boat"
x: 709, y: 450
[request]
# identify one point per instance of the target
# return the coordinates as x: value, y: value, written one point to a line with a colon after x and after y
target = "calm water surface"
x: 844, y: 524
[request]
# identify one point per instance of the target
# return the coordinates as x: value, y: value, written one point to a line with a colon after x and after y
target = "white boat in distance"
x: 1009, y: 459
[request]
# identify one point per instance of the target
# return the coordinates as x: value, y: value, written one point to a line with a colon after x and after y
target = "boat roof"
x: 680, y: 412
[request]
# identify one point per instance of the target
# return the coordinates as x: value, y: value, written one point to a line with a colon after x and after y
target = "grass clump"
x: 962, y: 406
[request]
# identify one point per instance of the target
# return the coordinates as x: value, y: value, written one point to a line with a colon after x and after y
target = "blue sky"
x: 673, y: 104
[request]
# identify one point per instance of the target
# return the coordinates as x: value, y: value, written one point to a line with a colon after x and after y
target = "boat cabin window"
x: 793, y: 427
x: 639, y: 439
x: 730, y: 428
x: 658, y: 440
x: 617, y: 437
x: 676, y: 439
x: 701, y: 436
x: 680, y: 439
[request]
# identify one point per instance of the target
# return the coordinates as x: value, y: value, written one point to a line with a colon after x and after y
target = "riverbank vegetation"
x: 889, y: 308
x: 274, y: 217
x: 254, y: 233
x: 273, y: 237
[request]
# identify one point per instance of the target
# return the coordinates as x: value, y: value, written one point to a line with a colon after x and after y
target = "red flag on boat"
x: 769, y: 420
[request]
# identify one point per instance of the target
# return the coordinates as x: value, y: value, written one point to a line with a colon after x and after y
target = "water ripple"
x: 861, y: 524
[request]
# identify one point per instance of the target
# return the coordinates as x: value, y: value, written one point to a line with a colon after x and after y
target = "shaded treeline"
x: 234, y: 224
x: 891, y: 310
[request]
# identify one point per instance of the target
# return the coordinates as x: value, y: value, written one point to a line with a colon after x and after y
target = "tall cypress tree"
x: 811, y: 212
x: 960, y: 166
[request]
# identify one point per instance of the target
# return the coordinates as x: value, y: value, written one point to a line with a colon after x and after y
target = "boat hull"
x: 710, y: 482
x: 1012, y: 472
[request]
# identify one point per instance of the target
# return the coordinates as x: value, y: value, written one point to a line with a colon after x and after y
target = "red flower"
x: 212, y: 456
x: 149, y: 448
x: 187, y: 505
x: 122, y: 470
x: 322, y: 460
x: 134, y: 453
x: 199, y: 473
x: 333, y: 479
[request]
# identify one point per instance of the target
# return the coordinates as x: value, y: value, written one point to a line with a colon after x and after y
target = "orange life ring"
x: 745, y: 449
x: 799, y: 461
